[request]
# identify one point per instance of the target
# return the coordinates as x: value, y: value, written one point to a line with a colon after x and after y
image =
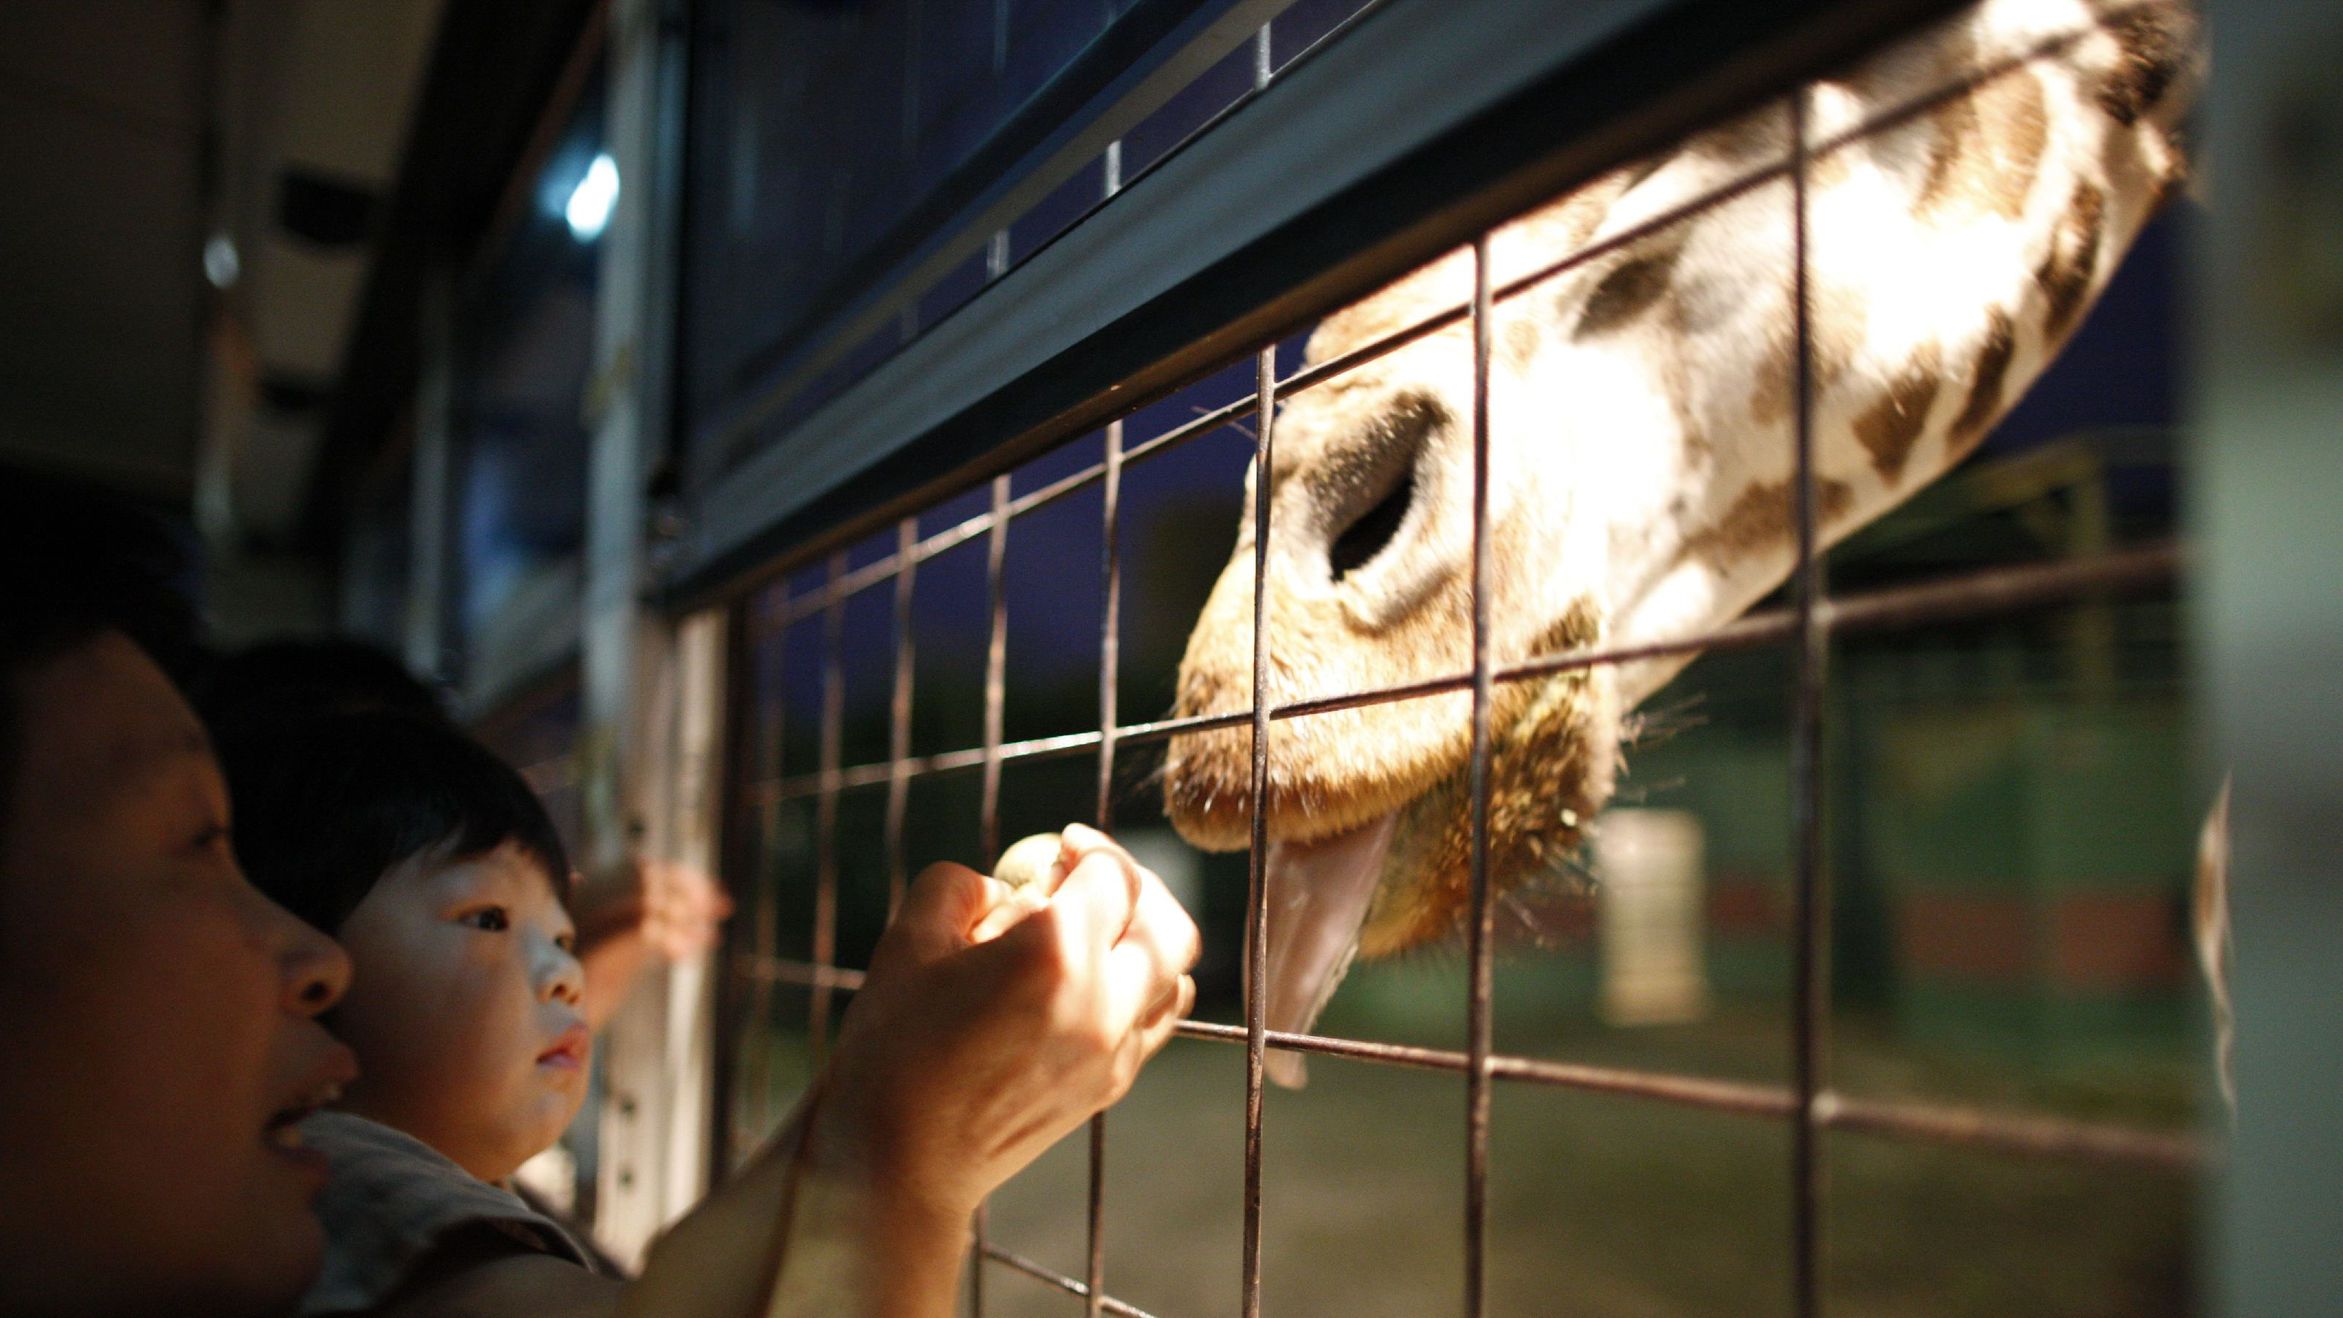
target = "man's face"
x: 464, y: 1007
x: 156, y: 1015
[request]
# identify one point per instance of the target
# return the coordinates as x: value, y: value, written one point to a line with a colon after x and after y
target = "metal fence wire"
x: 1806, y: 627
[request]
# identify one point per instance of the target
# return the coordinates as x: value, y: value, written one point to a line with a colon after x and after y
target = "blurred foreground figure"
x: 158, y: 1025
x: 157, y: 1015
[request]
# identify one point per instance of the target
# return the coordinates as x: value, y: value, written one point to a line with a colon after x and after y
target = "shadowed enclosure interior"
x: 1946, y: 838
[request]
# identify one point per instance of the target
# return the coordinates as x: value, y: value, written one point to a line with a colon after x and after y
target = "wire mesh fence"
x: 854, y: 620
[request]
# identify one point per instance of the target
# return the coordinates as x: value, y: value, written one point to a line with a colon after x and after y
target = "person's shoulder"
x: 396, y: 1212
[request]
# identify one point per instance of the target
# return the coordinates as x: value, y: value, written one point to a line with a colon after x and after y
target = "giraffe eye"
x: 1357, y: 546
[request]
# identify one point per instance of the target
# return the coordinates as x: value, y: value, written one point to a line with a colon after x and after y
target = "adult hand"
x: 978, y: 1042
x: 992, y: 1022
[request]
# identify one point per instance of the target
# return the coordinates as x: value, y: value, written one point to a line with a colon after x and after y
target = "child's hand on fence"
x: 649, y: 908
x: 683, y: 908
x: 963, y: 1058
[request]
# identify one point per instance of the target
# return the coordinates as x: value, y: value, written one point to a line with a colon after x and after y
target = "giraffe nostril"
x: 1366, y: 537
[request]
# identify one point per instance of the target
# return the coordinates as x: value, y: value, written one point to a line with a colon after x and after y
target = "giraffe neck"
x: 1949, y: 259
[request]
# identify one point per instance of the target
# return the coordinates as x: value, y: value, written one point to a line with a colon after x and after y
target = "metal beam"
x: 1428, y: 122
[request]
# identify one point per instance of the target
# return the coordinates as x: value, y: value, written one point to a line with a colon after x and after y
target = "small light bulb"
x: 220, y: 262
x: 591, y: 201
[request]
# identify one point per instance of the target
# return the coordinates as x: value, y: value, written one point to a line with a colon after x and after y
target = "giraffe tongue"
x: 1317, y: 898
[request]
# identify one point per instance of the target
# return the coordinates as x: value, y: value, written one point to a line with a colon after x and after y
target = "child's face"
x: 464, y: 1007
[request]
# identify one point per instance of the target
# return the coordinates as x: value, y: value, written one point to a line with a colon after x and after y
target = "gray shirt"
x: 392, y: 1199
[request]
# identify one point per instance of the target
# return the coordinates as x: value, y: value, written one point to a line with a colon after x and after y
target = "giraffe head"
x: 1641, y: 439
x: 1369, y: 586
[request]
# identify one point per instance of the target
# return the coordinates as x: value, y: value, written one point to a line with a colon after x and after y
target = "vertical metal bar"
x: 1811, y: 1005
x: 825, y: 940
x: 737, y: 843
x: 899, y: 712
x: 1257, y: 895
x: 1110, y: 649
x: 1256, y: 899
x: 1109, y: 664
x: 996, y: 655
x: 1481, y: 1018
x: 763, y: 886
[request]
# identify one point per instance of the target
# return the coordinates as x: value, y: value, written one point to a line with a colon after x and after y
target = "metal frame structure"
x: 1424, y: 123
x: 1205, y: 267
x: 651, y: 744
x: 1808, y: 1103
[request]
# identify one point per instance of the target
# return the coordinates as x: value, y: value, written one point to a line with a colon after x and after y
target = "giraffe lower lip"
x: 1317, y: 895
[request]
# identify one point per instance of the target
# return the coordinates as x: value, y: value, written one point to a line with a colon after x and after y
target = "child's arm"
x: 958, y: 1064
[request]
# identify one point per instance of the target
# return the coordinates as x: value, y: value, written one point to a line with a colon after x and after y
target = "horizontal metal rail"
x: 1019, y: 1263
x: 1955, y: 598
x: 2013, y: 1132
x: 2029, y: 1134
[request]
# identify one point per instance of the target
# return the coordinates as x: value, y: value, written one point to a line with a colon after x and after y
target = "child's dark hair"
x: 325, y: 808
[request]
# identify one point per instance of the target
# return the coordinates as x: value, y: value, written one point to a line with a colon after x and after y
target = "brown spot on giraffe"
x: 2155, y: 44
x: 1989, y: 147
x: 1632, y: 288
x: 1890, y: 427
x: 1755, y: 517
x: 1832, y: 500
x: 1676, y: 383
x: 1984, y: 399
x: 1765, y: 515
x: 1838, y: 323
x: 2067, y: 269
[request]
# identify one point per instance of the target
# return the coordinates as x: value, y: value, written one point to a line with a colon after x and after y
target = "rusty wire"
x: 1480, y: 1010
x: 1810, y: 930
x: 2031, y: 1134
x: 996, y: 661
x: 1096, y: 1301
x: 1984, y: 593
x: 825, y: 940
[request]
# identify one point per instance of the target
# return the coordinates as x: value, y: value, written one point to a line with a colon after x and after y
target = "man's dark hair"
x: 281, y: 682
x: 75, y: 564
x: 326, y: 806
